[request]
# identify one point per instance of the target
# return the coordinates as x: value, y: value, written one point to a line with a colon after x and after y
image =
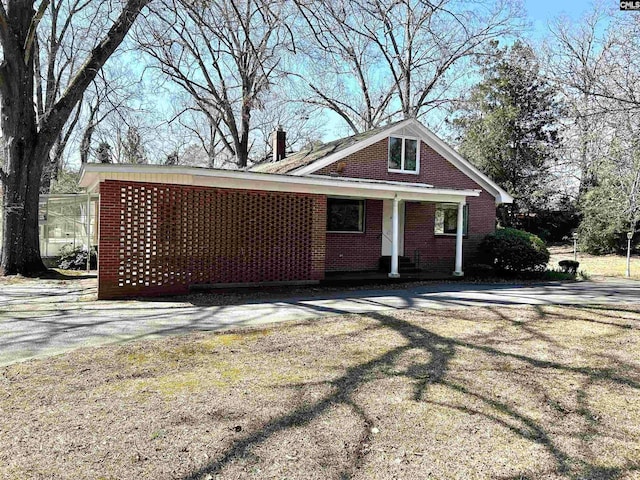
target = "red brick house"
x: 394, y: 195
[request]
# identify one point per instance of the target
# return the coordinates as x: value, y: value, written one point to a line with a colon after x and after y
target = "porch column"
x: 394, y: 239
x: 458, y: 271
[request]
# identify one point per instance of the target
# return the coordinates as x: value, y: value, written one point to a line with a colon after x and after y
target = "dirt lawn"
x: 596, y: 266
x: 485, y: 392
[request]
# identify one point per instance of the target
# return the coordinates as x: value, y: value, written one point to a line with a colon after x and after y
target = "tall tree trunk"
x: 23, y: 154
x: 50, y: 170
x: 85, y: 143
x: 27, y: 140
x: 21, y: 252
x: 242, y: 151
x: 87, y: 135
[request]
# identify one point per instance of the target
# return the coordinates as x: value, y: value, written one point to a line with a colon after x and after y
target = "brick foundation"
x: 158, y: 239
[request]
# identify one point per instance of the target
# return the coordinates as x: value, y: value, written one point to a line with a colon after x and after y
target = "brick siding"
x: 357, y: 251
x: 436, y: 252
x: 158, y: 239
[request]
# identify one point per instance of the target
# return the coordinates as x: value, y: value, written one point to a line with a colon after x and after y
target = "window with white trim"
x: 447, y: 219
x: 345, y: 215
x: 404, y: 155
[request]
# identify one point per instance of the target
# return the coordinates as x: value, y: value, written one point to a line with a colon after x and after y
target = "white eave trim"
x: 433, y: 141
x: 464, y: 165
x: 92, y: 174
x: 328, y: 160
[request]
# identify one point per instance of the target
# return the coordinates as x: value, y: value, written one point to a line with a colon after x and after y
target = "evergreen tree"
x: 508, y: 127
x: 103, y: 153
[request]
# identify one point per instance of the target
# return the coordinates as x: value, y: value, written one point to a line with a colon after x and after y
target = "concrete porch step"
x: 405, y: 265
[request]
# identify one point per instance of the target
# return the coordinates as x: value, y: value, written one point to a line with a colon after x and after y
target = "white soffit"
x: 92, y: 175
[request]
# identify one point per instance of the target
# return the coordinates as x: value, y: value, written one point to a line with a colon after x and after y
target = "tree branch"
x: 4, y: 23
x: 33, y: 27
x: 57, y: 116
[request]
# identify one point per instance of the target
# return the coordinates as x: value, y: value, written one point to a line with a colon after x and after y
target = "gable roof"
x: 309, y: 161
x: 308, y: 156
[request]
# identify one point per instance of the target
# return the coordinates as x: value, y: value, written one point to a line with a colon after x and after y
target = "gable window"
x: 447, y: 219
x: 345, y: 215
x: 404, y: 155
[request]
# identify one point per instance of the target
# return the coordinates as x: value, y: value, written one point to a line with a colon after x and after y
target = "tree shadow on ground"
x: 52, y: 274
x: 442, y: 351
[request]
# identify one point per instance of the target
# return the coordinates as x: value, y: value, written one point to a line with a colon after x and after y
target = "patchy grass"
x: 509, y: 393
x: 596, y: 266
x: 557, y: 275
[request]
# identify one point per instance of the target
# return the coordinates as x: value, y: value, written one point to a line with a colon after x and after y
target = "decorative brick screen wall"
x: 158, y: 239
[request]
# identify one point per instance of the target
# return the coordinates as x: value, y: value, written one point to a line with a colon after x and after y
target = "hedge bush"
x: 569, y: 266
x: 480, y: 270
x: 76, y: 258
x: 511, y: 250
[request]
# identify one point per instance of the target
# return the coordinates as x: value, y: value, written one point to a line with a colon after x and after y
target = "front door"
x: 387, y: 229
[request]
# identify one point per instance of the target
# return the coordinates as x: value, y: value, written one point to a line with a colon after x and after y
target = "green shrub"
x: 480, y: 270
x: 557, y: 275
x: 511, y: 250
x: 76, y: 258
x: 604, y: 227
x: 569, y: 266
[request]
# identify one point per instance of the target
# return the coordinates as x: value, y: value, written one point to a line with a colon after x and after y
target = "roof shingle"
x: 318, y: 152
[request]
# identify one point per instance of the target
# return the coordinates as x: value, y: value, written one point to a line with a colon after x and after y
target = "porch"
x: 383, y: 278
x: 395, y: 237
x: 164, y: 230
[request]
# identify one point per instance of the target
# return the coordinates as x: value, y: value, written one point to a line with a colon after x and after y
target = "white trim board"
x: 91, y: 175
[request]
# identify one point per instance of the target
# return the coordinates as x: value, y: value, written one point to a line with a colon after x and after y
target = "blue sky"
x: 541, y: 11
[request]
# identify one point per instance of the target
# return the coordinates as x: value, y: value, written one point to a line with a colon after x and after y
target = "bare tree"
x: 201, y: 131
x: 604, y: 64
x: 224, y: 54
x: 302, y: 122
x: 109, y: 95
x: 61, y: 45
x: 576, y: 56
x: 341, y: 71
x: 54, y: 60
x: 30, y: 130
x: 595, y: 65
x: 396, y: 57
x: 132, y: 148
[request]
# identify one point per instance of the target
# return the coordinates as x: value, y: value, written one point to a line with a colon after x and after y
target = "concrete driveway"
x: 47, y: 318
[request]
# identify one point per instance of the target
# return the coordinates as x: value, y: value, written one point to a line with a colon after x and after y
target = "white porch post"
x: 394, y: 239
x: 88, y: 227
x: 458, y: 271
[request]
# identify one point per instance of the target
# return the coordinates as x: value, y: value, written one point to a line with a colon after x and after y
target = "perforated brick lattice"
x: 158, y: 238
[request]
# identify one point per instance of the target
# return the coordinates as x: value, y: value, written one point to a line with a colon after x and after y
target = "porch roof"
x: 91, y: 175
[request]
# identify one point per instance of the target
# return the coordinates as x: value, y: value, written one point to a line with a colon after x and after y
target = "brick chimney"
x: 278, y: 140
